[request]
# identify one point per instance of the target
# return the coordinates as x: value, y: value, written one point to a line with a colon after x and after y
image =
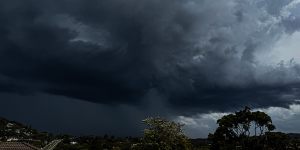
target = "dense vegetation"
x: 244, y: 130
x: 247, y: 130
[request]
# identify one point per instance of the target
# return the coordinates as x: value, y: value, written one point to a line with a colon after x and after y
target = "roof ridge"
x: 19, y: 143
x: 31, y: 146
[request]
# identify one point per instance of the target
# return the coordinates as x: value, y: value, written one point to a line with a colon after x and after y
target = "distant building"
x: 11, y: 139
x: 17, y: 146
x: 9, y: 125
x: 73, y: 143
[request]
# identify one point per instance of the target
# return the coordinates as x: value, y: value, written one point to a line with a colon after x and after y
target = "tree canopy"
x: 162, y: 134
x: 241, y: 129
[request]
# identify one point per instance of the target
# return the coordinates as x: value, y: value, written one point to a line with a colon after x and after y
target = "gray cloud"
x: 197, y: 56
x: 285, y: 119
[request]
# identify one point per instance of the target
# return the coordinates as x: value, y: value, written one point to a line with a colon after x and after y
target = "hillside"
x: 15, y: 131
x: 12, y: 131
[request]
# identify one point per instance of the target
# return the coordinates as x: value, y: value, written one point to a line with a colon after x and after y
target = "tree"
x: 162, y: 134
x: 235, y: 130
x: 277, y: 140
x: 262, y: 121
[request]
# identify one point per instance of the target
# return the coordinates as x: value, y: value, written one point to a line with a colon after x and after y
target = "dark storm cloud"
x: 195, y: 54
x: 49, y: 113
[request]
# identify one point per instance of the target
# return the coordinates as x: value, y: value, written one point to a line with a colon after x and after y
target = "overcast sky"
x: 100, y: 66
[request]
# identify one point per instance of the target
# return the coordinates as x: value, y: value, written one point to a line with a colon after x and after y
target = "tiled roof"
x: 16, y: 146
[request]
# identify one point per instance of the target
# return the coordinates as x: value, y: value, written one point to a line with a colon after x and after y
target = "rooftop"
x: 17, y: 146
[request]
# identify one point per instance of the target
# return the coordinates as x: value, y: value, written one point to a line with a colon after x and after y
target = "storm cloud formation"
x: 195, y: 55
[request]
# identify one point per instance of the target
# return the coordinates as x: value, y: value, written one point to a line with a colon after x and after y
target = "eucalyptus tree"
x: 242, y: 128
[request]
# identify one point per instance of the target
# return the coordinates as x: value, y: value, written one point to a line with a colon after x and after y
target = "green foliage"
x: 162, y: 134
x: 277, y: 140
x: 234, y: 130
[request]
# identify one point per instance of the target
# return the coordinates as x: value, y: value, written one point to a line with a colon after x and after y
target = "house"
x: 26, y: 146
x: 10, y: 125
x: 17, y: 146
x: 11, y: 139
